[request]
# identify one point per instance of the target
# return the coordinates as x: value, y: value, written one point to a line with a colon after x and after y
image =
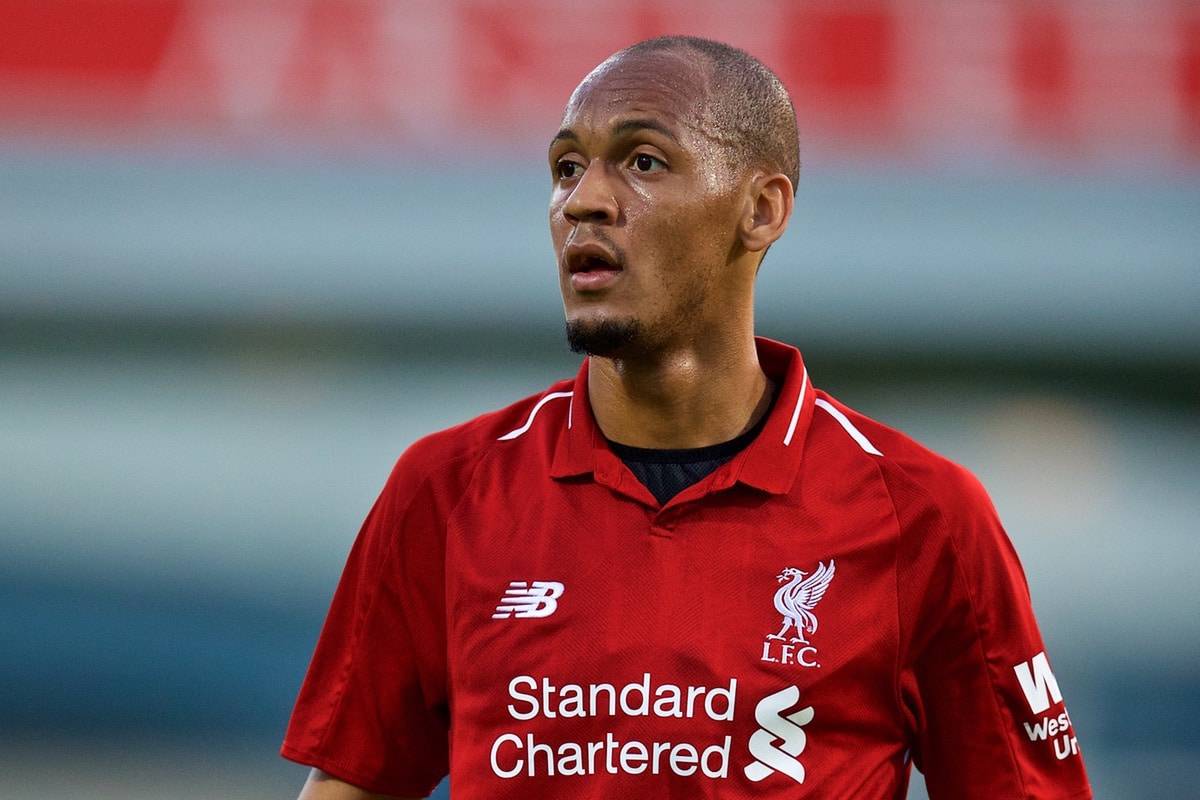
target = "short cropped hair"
x: 750, y: 108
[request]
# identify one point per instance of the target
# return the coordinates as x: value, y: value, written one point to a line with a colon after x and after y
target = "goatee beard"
x: 606, y: 338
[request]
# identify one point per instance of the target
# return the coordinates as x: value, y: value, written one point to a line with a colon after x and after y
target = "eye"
x: 644, y: 162
x: 566, y: 169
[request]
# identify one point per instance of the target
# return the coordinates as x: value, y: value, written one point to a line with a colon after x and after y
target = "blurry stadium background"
x: 249, y: 250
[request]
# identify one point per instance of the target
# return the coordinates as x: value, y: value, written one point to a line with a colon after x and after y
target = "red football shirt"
x: 829, y: 607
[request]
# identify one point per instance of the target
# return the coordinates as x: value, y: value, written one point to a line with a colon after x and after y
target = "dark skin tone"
x: 637, y: 170
x: 652, y: 186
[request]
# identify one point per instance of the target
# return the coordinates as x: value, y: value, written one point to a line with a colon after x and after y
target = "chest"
x: 585, y: 586
x: 710, y: 642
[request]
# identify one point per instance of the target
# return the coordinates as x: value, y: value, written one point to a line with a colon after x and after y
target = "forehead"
x: 669, y: 86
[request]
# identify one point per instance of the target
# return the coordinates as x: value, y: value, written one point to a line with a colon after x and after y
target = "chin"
x: 603, y: 336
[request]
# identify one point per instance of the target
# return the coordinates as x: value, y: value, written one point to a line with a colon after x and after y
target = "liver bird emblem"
x: 797, y: 599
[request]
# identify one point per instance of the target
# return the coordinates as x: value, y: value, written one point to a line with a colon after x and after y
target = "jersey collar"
x: 769, y: 463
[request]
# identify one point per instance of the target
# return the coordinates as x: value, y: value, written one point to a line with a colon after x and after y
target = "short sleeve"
x: 986, y: 712
x: 373, y: 707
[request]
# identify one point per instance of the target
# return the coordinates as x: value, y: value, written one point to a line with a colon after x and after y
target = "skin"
x: 323, y: 786
x: 690, y: 231
x: 635, y: 168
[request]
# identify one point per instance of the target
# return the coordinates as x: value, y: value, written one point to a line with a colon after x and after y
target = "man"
x: 687, y: 572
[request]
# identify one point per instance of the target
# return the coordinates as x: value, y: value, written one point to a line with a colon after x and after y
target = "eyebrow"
x: 621, y: 128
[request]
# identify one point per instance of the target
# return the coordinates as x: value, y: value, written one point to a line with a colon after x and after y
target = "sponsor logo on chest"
x: 771, y: 752
x: 525, y: 751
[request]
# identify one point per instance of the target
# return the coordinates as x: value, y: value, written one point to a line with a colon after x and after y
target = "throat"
x: 677, y: 407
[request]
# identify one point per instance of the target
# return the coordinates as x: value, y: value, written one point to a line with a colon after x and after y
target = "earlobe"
x: 770, y: 207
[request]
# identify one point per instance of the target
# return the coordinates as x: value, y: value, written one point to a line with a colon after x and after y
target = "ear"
x: 768, y: 207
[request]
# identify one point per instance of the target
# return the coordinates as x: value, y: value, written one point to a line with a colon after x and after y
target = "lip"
x: 583, y: 257
x: 594, y: 280
x: 591, y: 265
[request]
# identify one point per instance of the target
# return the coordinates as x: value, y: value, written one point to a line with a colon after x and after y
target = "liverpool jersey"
x: 830, y: 607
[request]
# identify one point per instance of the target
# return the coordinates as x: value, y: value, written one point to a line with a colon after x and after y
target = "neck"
x: 690, y: 395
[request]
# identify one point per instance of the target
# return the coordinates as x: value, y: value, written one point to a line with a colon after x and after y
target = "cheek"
x: 684, y: 239
x: 689, y: 256
x: 672, y: 268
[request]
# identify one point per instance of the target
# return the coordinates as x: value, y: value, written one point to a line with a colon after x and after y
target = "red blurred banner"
x: 1091, y: 78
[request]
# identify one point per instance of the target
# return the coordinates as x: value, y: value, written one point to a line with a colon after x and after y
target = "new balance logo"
x: 784, y: 730
x: 1038, y: 683
x: 524, y: 599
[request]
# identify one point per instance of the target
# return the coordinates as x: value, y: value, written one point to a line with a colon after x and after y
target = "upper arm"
x: 973, y: 654
x: 323, y: 786
x: 373, y: 707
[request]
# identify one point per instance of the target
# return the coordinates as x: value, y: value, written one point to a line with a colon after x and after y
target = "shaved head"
x: 748, y: 109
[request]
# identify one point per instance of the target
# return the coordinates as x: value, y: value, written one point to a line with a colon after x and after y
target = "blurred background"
x: 251, y: 249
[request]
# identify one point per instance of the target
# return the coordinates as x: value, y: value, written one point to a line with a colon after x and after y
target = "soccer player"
x: 686, y: 572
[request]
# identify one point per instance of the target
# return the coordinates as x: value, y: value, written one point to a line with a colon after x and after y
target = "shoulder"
x: 919, y: 480
x: 449, y: 455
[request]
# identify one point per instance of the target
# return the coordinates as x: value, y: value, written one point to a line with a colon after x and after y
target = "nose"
x: 592, y: 198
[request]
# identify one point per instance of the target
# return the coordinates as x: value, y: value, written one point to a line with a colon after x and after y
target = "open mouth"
x: 590, y: 257
x: 592, y: 266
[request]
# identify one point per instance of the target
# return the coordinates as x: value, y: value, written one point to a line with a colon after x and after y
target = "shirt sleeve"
x: 986, y: 712
x: 373, y: 708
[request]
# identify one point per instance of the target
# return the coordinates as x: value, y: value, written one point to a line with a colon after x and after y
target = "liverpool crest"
x: 795, y: 600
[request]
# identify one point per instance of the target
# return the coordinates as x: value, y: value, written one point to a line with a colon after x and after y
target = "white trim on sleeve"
x: 846, y: 424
